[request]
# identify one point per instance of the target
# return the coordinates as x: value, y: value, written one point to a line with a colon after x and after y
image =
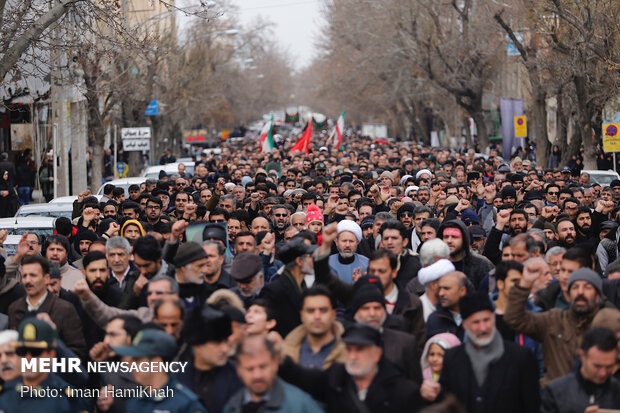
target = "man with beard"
x: 559, y: 331
x: 57, y: 249
x: 280, y: 220
x: 81, y: 245
x: 97, y: 276
x: 257, y: 366
x: 248, y: 272
x: 316, y: 343
x: 147, y: 256
x: 284, y: 294
x: 420, y: 214
x: 517, y: 224
x: 366, y: 382
x: 447, y: 317
x: 190, y: 262
x: 583, y: 224
x: 565, y: 233
x: 487, y: 373
x: 347, y: 262
x: 455, y: 234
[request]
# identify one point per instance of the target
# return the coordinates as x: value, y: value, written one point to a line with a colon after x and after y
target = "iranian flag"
x: 337, y: 132
x: 303, y: 145
x: 266, y: 138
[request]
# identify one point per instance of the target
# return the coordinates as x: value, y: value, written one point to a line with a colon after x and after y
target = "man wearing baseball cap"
x: 37, y: 339
x: 487, y: 373
x: 152, y: 345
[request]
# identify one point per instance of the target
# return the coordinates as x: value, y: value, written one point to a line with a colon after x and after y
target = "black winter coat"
x: 572, y: 394
x: 441, y: 321
x: 511, y: 385
x: 389, y: 391
x: 284, y: 298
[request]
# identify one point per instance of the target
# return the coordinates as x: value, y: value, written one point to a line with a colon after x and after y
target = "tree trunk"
x: 481, y: 127
x: 97, y: 164
x: 539, y: 124
x: 584, y: 116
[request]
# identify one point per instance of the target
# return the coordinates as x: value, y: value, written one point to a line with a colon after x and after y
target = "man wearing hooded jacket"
x: 455, y: 234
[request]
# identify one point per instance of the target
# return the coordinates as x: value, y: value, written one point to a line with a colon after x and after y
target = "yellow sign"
x: 225, y: 133
x: 611, y: 137
x: 520, y: 126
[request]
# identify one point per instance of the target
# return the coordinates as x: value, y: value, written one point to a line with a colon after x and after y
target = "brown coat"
x: 559, y: 331
x: 62, y: 313
x: 292, y: 345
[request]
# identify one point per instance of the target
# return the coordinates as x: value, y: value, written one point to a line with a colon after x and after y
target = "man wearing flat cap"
x: 487, y: 373
x: 347, y: 261
x: 155, y: 346
x: 37, y: 339
x: 284, y: 294
x: 559, y: 331
x: 190, y: 263
x: 209, y: 373
x: 366, y: 382
x: 248, y: 272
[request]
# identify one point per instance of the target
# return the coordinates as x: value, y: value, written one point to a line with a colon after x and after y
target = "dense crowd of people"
x: 382, y: 277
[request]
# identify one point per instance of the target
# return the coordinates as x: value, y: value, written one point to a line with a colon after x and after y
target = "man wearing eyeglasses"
x: 280, y: 220
x: 551, y: 195
x: 29, y: 244
x: 36, y: 339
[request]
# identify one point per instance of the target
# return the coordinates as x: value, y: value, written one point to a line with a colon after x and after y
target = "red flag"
x: 303, y: 144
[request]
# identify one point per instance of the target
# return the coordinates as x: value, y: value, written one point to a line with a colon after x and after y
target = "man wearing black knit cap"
x: 509, y: 195
x: 209, y: 374
x: 487, y: 373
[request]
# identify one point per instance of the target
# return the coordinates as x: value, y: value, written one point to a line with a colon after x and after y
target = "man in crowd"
x: 475, y: 372
x: 559, y: 331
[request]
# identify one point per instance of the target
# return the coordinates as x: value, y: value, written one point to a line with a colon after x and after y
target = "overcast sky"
x: 295, y: 23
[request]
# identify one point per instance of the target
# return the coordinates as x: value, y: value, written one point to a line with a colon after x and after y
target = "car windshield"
x: 38, y: 231
x: 602, y: 179
x: 54, y: 214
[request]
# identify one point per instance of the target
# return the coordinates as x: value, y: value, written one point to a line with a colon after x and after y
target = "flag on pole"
x: 266, y: 138
x: 303, y: 144
x: 337, y: 132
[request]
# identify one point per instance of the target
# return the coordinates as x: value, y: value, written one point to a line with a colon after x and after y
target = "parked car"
x: 602, y: 178
x: 69, y: 199
x: 21, y: 225
x: 52, y: 209
x: 10, y: 244
x: 124, y: 183
x: 169, y: 169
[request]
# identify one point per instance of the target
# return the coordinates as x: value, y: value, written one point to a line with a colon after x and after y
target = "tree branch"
x: 13, y: 54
